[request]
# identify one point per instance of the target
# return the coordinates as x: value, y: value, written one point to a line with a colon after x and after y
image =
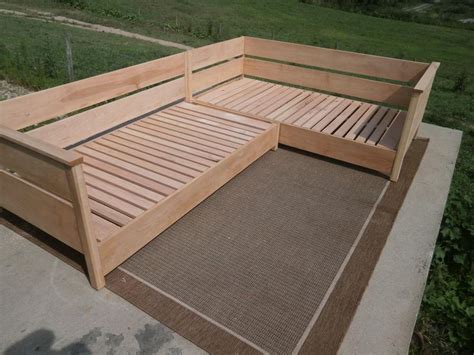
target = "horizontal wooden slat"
x: 86, y: 124
x: 35, y: 168
x: 46, y: 211
x: 351, y: 62
x: 217, y: 52
x: 206, y: 78
x: 30, y: 109
x: 352, y: 152
x: 331, y: 82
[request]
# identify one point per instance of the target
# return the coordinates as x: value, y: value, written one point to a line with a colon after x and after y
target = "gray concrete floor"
x: 47, y: 306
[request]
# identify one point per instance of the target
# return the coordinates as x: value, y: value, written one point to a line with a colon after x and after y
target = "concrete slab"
x: 386, y: 316
x: 47, y: 306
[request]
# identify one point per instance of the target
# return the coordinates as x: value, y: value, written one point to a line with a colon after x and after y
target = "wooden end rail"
x: 416, y: 110
x: 44, y: 185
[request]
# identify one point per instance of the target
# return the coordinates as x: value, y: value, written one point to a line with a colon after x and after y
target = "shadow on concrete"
x: 41, y: 342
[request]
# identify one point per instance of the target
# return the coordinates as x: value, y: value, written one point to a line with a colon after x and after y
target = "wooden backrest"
x: 283, y: 62
x: 37, y: 107
x: 213, y: 64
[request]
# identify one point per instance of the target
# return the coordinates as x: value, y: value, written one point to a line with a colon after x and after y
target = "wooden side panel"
x: 46, y: 211
x: 361, y: 154
x: 337, y: 83
x: 357, y: 63
x: 86, y: 124
x: 120, y: 246
x: 35, y: 168
x: 206, y: 78
x: 36, y: 107
x: 218, y: 52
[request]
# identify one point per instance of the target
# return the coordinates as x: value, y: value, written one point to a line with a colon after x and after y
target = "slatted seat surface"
x: 133, y: 168
x: 345, y: 118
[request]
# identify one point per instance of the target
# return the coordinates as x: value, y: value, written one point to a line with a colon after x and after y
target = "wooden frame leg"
x: 83, y: 216
x: 275, y: 147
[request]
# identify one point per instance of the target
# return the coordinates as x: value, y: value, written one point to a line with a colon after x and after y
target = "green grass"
x: 447, y: 313
x: 33, y: 54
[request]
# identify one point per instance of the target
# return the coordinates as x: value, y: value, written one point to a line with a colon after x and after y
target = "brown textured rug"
x: 275, y: 261
x: 253, y: 266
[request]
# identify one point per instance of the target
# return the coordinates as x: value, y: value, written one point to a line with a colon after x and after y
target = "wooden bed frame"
x: 109, y: 178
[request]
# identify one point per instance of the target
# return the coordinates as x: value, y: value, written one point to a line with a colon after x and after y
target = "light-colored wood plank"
x: 353, y: 152
x: 175, y: 155
x: 360, y: 124
x: 113, y: 202
x: 212, y: 76
x: 46, y: 211
x: 109, y: 214
x: 67, y: 158
x: 292, y: 111
x: 332, y: 115
x: 188, y: 77
x: 365, y: 108
x: 228, y: 116
x: 142, y: 181
x: 331, y: 82
x: 426, y: 80
x: 119, y: 192
x: 30, y: 109
x: 167, y: 176
x: 382, y: 127
x: 125, y: 165
x: 217, y: 52
x: 171, y: 143
x: 145, y: 154
x: 35, y: 168
x: 215, y: 121
x: 185, y: 139
x: 392, y: 136
x: 257, y: 99
x: 234, y: 91
x: 159, y: 122
x: 83, y: 125
x: 302, y: 115
x: 365, y: 133
x: 278, y: 102
x: 267, y: 100
x: 223, y: 89
x: 117, y: 248
x: 340, y: 119
x: 184, y: 121
x: 323, y: 112
x: 252, y: 89
x: 300, y: 98
x: 351, y: 62
x: 122, y: 183
x: 168, y: 160
x: 250, y: 94
x: 83, y: 215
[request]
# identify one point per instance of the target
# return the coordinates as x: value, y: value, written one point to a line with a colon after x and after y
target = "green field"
x: 32, y: 53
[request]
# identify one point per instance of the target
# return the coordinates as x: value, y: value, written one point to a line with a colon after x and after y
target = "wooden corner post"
x: 404, y: 142
x: 188, y: 72
x: 82, y: 211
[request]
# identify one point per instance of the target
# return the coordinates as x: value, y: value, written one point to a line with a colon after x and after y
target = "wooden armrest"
x: 68, y: 158
x: 427, y: 77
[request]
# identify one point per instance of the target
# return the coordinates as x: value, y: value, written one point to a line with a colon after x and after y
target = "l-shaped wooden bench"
x: 109, y: 179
